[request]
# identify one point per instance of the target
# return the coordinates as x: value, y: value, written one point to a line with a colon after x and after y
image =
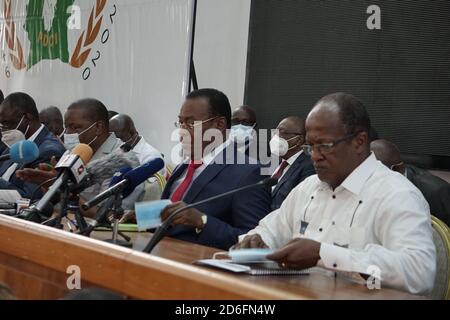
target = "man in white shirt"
x: 123, y: 126
x: 355, y: 216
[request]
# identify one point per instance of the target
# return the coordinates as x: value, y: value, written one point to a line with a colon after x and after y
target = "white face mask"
x: 71, y: 140
x: 280, y: 146
x: 10, y: 137
x: 241, y: 133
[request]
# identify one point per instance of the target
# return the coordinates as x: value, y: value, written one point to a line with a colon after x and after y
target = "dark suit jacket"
x: 48, y: 146
x: 301, y: 169
x: 435, y: 190
x: 228, y: 217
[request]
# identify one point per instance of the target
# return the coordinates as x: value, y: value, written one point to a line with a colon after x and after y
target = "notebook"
x: 265, y: 268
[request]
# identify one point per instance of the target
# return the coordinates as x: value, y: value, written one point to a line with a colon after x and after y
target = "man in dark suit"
x: 210, y: 170
x: 295, y: 166
x: 52, y: 118
x: 435, y: 190
x: 18, y: 112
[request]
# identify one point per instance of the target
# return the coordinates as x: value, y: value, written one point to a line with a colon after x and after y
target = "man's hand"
x: 251, y: 241
x: 297, y: 254
x: 190, y: 217
x: 39, y: 175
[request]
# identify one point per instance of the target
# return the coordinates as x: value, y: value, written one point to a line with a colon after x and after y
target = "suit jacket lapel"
x: 292, y: 169
x: 209, y: 173
x: 175, y: 175
x: 5, y: 165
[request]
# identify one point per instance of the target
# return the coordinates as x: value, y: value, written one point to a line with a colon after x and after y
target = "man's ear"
x: 28, y: 117
x: 361, y: 140
x: 100, y: 128
x: 221, y: 123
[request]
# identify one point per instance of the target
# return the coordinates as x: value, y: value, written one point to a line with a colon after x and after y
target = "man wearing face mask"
x: 19, y: 120
x: 123, y: 126
x: 86, y: 121
x: 435, y: 190
x: 243, y: 124
x: 296, y: 166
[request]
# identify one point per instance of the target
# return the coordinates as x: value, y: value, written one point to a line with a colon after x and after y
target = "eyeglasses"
x: 325, y: 148
x: 287, y: 133
x: 191, y: 125
x: 244, y: 123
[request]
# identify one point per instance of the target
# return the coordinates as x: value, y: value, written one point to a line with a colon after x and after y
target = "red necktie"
x: 178, y: 194
x: 280, y: 170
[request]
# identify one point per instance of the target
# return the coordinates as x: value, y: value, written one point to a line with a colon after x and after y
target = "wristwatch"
x: 204, y: 220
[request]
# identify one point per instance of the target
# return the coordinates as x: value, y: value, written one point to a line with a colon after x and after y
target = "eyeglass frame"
x: 308, y: 148
x: 190, y: 126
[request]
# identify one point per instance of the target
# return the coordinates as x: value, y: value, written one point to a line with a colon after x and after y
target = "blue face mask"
x: 241, y: 133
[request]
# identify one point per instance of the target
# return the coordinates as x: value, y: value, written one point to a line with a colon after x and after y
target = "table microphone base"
x: 119, y: 242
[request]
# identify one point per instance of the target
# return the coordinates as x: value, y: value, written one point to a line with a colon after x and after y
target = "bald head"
x: 52, y: 118
x: 123, y: 126
x: 294, y: 124
x: 337, y: 129
x: 243, y: 115
x: 387, y: 153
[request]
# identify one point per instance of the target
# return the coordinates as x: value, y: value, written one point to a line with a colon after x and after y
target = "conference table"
x: 38, y: 262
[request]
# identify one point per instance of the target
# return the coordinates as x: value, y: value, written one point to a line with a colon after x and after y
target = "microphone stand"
x: 162, y: 229
x: 117, y: 214
x: 114, y: 204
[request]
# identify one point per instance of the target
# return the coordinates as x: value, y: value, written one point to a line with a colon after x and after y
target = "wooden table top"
x: 39, y: 252
x: 317, y: 285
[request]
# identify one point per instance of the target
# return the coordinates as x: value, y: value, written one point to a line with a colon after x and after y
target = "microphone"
x: 71, y: 166
x: 101, y: 212
x: 162, y: 229
x: 129, y: 182
x: 22, y: 152
x: 103, y: 169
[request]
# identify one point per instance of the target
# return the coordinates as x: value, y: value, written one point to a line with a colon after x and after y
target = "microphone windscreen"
x: 119, y: 176
x: 84, y: 152
x: 142, y: 173
x: 104, y: 168
x: 24, y: 152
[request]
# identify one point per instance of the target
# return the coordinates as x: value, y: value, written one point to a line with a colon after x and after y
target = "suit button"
x: 335, y: 265
x: 334, y: 196
x: 320, y: 229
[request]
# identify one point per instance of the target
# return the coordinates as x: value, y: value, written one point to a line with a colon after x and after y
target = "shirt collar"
x: 292, y: 159
x: 35, y: 135
x: 356, y: 180
x: 108, y: 146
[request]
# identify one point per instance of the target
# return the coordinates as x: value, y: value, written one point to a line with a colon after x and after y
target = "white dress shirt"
x: 145, y: 152
x: 376, y: 217
x: 207, y: 160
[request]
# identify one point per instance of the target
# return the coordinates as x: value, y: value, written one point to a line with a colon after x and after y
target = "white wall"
x: 220, y: 51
